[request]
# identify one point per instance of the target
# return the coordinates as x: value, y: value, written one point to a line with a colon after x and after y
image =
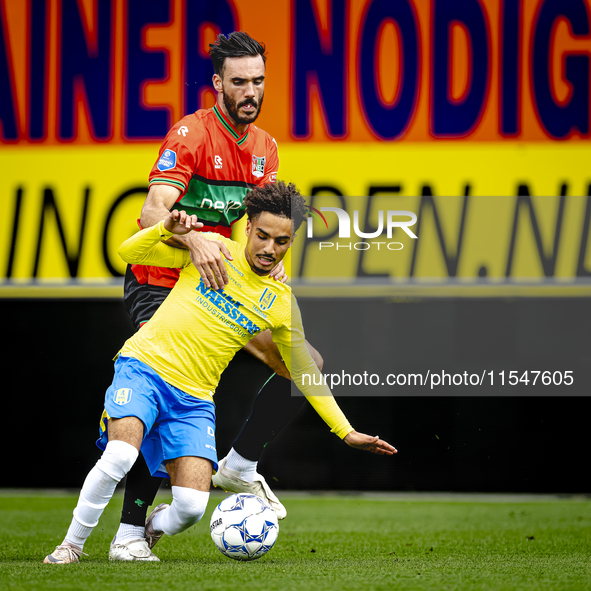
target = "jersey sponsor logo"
x: 235, y: 268
x: 122, y: 396
x: 258, y: 165
x: 267, y: 299
x: 230, y: 307
x: 167, y: 160
x: 210, y: 431
x: 183, y: 130
x: 218, y: 161
x: 220, y: 205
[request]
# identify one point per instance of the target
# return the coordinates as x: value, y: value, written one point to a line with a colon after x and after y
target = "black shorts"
x: 141, y: 299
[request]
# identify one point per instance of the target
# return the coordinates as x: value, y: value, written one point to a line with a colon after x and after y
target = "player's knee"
x: 189, y: 505
x: 117, y: 459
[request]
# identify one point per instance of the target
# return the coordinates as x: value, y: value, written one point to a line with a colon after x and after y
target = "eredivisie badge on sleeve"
x: 167, y: 160
x: 258, y: 166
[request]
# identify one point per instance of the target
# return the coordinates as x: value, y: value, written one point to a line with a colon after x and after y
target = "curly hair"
x: 236, y: 44
x: 278, y: 198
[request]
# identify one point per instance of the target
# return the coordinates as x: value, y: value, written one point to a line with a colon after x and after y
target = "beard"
x: 233, y: 108
x: 253, y: 262
x: 269, y: 258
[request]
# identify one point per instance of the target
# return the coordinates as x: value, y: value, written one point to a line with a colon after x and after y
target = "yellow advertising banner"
x: 472, y: 115
x: 68, y: 209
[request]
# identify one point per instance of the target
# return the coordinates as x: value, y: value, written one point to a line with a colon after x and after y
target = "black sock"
x: 140, y: 491
x: 273, y: 408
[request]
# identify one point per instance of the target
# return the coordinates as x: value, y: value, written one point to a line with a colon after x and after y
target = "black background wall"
x: 57, y: 366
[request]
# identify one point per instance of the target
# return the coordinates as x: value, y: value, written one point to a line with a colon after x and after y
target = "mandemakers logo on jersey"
x: 258, y: 166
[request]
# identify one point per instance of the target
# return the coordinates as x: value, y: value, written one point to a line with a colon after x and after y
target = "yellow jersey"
x: 197, y: 330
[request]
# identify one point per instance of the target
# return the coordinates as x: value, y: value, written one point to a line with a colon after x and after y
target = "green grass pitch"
x: 326, y: 542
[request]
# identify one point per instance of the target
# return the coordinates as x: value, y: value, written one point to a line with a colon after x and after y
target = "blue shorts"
x: 176, y: 424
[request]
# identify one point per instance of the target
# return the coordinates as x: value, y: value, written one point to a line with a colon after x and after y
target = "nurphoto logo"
x: 392, y: 219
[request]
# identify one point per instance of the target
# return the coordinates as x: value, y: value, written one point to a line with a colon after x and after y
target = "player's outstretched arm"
x: 365, y: 442
x: 308, y: 379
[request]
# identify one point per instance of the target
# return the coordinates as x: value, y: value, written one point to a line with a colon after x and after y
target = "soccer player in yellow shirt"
x: 160, y: 400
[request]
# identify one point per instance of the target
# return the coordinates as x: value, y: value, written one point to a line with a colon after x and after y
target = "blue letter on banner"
x: 90, y: 66
x: 389, y: 121
x: 143, y: 122
x: 319, y: 61
x: 37, y: 95
x: 198, y: 69
x: 449, y: 119
x: 8, y: 126
x: 558, y: 120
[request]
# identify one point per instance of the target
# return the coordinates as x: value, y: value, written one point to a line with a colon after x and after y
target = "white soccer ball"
x: 244, y: 527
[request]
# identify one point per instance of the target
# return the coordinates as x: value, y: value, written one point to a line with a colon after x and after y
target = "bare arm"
x: 157, y: 205
x: 206, y: 254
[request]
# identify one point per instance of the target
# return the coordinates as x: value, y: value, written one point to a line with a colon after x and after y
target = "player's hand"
x: 375, y: 445
x: 278, y: 273
x: 208, y: 258
x: 179, y: 222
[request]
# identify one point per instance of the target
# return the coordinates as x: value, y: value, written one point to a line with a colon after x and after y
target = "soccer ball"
x: 244, y: 527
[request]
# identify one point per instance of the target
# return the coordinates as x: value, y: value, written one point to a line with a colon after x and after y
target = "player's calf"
x: 96, y: 492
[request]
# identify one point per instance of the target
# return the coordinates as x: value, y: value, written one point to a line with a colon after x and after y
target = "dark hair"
x: 279, y: 199
x: 236, y: 44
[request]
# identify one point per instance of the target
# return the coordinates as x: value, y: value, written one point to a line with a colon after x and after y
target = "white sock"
x: 98, y: 488
x: 77, y: 534
x: 246, y: 468
x: 187, y: 508
x: 127, y: 533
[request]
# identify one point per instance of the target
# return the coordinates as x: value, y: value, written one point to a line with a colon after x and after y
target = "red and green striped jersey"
x: 213, y: 166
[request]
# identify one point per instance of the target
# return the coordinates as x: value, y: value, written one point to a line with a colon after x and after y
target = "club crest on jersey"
x: 122, y: 396
x: 267, y: 299
x: 167, y: 160
x: 258, y: 166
